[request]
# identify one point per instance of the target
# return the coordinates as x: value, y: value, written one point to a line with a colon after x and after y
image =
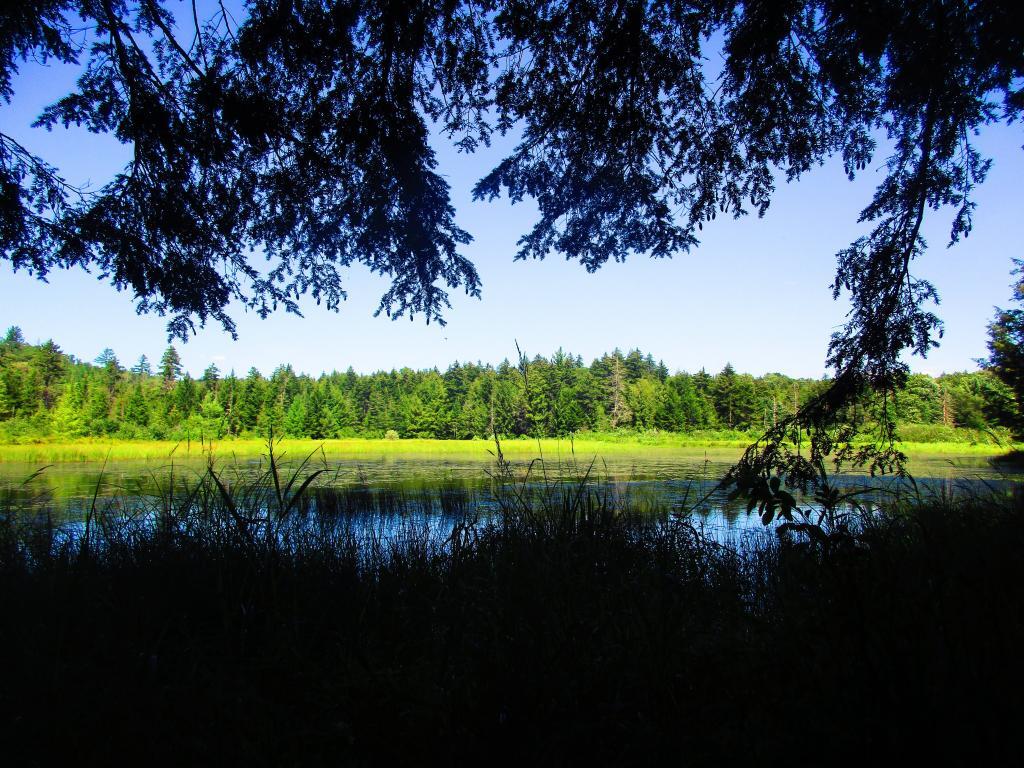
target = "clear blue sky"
x: 754, y: 293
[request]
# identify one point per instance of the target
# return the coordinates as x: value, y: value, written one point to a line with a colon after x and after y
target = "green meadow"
x: 98, y: 451
x: 723, y: 445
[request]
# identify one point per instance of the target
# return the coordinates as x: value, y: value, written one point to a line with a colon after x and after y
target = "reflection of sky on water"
x: 432, y: 493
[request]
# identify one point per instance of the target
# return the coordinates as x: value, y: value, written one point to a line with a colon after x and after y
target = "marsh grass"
x: 729, y: 444
x: 228, y: 450
x: 277, y: 620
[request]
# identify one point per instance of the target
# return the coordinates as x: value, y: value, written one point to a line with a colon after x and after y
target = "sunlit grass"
x: 119, y: 450
x: 958, y: 449
x: 726, y: 444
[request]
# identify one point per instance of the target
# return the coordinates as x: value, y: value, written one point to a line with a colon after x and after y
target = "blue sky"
x: 754, y: 293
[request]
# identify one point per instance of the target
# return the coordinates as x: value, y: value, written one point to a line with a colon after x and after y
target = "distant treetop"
x: 13, y: 338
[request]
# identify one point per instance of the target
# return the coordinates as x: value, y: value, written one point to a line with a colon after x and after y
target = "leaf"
x: 774, y: 483
x: 786, y: 499
x: 302, y: 488
x: 240, y: 522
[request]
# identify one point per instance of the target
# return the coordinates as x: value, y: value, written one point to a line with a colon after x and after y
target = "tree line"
x: 47, y: 393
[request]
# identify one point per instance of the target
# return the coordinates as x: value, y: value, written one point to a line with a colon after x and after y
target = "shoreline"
x: 84, y: 451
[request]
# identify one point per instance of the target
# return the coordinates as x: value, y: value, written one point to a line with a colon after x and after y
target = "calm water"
x: 665, y: 480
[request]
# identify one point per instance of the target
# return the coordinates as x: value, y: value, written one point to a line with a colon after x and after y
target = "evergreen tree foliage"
x: 68, y: 418
x: 7, y: 404
x: 1006, y: 343
x: 105, y: 357
x: 50, y: 369
x: 136, y: 410
x: 211, y: 376
x: 142, y: 367
x: 13, y: 339
x: 547, y: 397
x: 170, y: 366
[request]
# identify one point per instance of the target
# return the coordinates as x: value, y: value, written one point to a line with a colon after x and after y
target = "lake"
x: 446, y: 485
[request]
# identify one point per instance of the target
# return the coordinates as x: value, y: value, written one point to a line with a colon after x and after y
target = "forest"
x: 46, y: 393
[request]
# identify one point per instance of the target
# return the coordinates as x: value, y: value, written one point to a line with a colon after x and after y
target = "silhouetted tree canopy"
x: 302, y: 130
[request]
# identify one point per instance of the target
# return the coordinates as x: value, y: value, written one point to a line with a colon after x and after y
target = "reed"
x: 276, y: 620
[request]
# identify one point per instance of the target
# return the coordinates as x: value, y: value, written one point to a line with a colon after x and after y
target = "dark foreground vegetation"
x: 271, y: 623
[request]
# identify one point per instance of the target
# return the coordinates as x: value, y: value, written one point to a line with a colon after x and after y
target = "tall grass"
x: 278, y: 620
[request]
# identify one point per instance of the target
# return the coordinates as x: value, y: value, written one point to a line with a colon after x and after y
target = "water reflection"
x: 382, y: 496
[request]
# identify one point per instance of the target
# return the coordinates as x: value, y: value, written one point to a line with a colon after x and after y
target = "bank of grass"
x: 914, y: 449
x: 725, y: 443
x: 256, y: 624
x: 47, y: 452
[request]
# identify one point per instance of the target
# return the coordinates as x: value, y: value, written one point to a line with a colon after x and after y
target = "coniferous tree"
x: 211, y: 377
x: 377, y: 418
x: 557, y: 396
x: 185, y: 397
x: 142, y: 367
x: 137, y: 409
x: 345, y: 416
x: 634, y: 365
x: 644, y: 399
x: 105, y: 357
x: 538, y: 406
x: 1006, y: 344
x: 68, y: 419
x: 97, y: 411
x: 13, y: 339
x: 212, y: 417
x: 50, y: 364
x: 320, y: 424
x: 619, y: 412
x: 7, y: 405
x: 112, y: 369
x: 33, y: 396
x: 474, y: 416
x: 170, y: 366
x: 271, y: 418
x: 725, y: 394
x: 250, y: 399
x: 295, y: 418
